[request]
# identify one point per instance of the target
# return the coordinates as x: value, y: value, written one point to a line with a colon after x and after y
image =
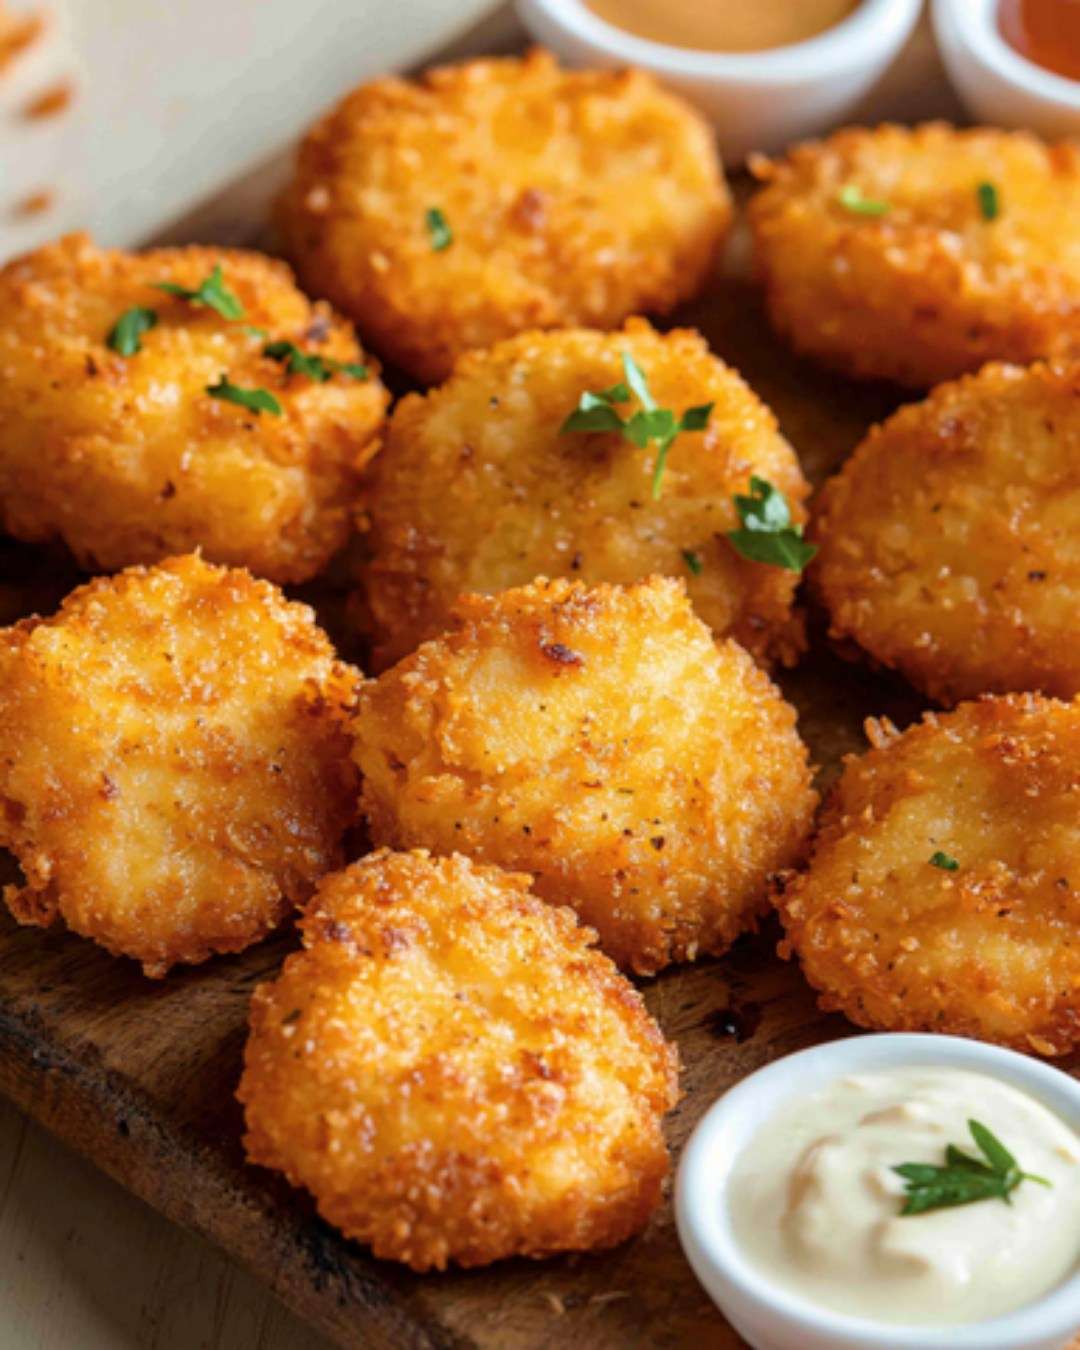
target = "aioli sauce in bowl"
x: 816, y: 1201
x: 724, y: 25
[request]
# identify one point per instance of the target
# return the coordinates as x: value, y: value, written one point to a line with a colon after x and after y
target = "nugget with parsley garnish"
x: 154, y: 403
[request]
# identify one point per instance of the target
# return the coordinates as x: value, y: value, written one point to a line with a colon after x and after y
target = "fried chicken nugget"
x: 917, y: 254
x: 600, y: 740
x: 454, y: 1072
x: 950, y: 541
x: 943, y: 890
x: 128, y: 458
x: 478, y: 489
x: 497, y: 196
x: 174, y: 761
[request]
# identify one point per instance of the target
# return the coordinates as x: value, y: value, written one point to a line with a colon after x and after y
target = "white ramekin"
x: 770, y: 1318
x: 757, y: 100
x: 999, y: 86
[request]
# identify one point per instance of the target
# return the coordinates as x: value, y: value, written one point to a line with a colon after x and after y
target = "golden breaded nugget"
x: 600, y: 740
x: 174, y: 765
x: 479, y: 489
x: 943, y: 890
x: 916, y: 254
x: 950, y: 541
x: 128, y: 458
x: 454, y: 1072
x: 497, y: 196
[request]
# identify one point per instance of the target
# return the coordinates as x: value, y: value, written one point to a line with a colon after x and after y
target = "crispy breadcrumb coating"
x: 570, y: 198
x: 899, y: 939
x: 454, y: 1072
x: 930, y: 288
x: 600, y: 740
x: 477, y: 490
x: 950, y: 541
x: 174, y: 761
x: 128, y: 458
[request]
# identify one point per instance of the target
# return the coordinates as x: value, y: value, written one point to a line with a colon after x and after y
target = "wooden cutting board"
x: 139, y: 1075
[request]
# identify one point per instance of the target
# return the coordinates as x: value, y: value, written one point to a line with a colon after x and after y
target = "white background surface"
x: 175, y: 98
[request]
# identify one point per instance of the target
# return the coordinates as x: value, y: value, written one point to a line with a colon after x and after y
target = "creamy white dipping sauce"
x: 815, y: 1203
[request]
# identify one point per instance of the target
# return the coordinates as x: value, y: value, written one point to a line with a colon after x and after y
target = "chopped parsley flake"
x: 693, y: 561
x: 943, y: 861
x: 649, y: 425
x: 989, y: 202
x: 125, y: 336
x: 315, y: 367
x: 768, y: 534
x: 438, y: 228
x: 212, y: 292
x: 255, y: 400
x: 851, y: 199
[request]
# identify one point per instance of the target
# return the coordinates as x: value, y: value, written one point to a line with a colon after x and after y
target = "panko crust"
x: 573, y: 197
x: 174, y: 761
x: 950, y: 541
x: 988, y: 950
x: 454, y: 1072
x: 129, y: 459
x: 476, y: 490
x: 929, y: 290
x: 600, y: 740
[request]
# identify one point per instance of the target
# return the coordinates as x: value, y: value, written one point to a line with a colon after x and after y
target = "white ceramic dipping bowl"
x: 998, y: 85
x: 758, y: 101
x: 771, y: 1318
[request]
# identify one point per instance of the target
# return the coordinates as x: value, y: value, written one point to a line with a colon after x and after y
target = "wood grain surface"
x: 140, y: 1075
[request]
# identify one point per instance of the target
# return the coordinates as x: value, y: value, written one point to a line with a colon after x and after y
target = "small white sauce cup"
x: 758, y: 101
x: 999, y: 86
x: 772, y: 1318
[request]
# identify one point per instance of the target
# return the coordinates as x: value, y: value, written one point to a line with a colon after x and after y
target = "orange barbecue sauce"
x: 1045, y: 31
x: 724, y: 25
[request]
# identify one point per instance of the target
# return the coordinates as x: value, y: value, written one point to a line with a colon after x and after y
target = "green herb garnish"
x: 596, y: 412
x: 693, y: 561
x: 125, y: 336
x: 943, y: 861
x: 989, y: 203
x: 255, y: 400
x: 768, y: 534
x: 212, y: 293
x: 438, y: 228
x: 315, y: 367
x: 851, y: 198
x: 964, y: 1179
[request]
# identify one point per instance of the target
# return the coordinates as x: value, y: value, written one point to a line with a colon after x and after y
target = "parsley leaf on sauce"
x: 964, y: 1179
